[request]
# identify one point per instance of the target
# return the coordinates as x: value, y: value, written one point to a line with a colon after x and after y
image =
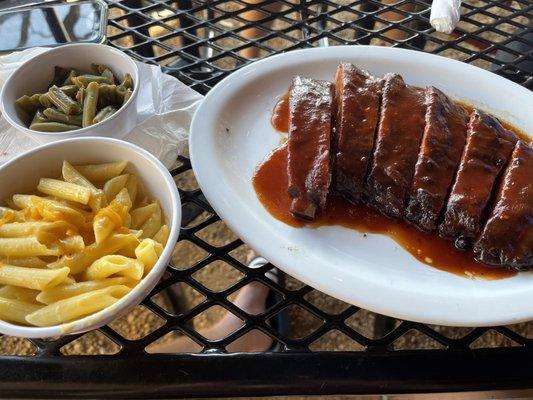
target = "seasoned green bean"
x: 38, y: 117
x: 127, y: 82
x: 84, y: 80
x: 104, y: 113
x: 76, y: 99
x: 62, y: 101
x: 97, y: 69
x: 45, y: 101
x: 57, y: 116
x: 25, y: 102
x: 106, y: 73
x: 69, y: 90
x: 127, y: 96
x: 68, y: 80
x: 123, y: 94
x: 89, y: 104
x: 60, y: 75
x: 52, y: 127
x: 107, y: 95
x: 35, y: 99
x: 80, y: 96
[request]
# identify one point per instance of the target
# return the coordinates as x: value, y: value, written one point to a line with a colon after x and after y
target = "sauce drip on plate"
x: 280, y: 114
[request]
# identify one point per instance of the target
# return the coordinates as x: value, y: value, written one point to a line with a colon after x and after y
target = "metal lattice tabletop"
x: 321, y: 345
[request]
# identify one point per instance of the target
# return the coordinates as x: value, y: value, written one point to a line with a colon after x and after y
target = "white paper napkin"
x: 165, y: 108
x: 445, y: 15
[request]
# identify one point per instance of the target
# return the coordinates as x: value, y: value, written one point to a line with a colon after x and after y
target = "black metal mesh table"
x: 200, y: 42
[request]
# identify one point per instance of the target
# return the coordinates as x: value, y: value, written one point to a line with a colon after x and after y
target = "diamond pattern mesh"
x: 201, y: 42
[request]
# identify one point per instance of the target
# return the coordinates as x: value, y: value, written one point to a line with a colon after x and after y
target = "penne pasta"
x: 28, y: 262
x: 71, y: 244
x: 65, y: 291
x: 115, y: 185
x: 20, y: 229
x: 148, y: 252
x: 141, y: 214
x: 111, y: 217
x: 101, y: 172
x: 115, y: 265
x: 143, y: 201
x: 70, y: 174
x: 80, y: 261
x: 152, y: 224
x: 76, y: 248
x: 13, y: 310
x: 162, y: 235
x: 7, y: 215
x: 78, y: 306
x: 132, y: 185
x: 32, y: 278
x: 51, y: 210
x: 129, y: 250
x: 18, y: 293
x: 25, y: 247
x: 64, y: 190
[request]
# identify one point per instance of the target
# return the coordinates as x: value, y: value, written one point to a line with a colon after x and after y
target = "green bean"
x: 60, y: 75
x: 75, y: 99
x: 38, y: 117
x: 89, y: 104
x: 109, y: 75
x: 45, y: 101
x: 69, y: 90
x: 57, y: 116
x: 127, y: 96
x: 127, y: 82
x: 52, y: 127
x: 31, y: 103
x: 104, y: 113
x: 84, y: 80
x: 80, y: 96
x: 107, y: 95
x: 123, y: 94
x: 36, y: 99
x: 71, y: 75
x: 62, y: 101
x: 25, y: 102
x: 97, y: 69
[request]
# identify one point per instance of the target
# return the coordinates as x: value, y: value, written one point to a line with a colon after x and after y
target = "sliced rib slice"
x: 357, y: 96
x: 400, y: 130
x: 507, y: 238
x: 440, y: 153
x: 488, y: 147
x: 310, y: 123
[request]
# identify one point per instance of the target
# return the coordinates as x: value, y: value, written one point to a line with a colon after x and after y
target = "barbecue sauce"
x: 270, y: 183
x: 280, y: 114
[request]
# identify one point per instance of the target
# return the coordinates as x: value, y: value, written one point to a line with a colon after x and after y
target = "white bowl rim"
x: 81, y: 131
x: 93, y: 321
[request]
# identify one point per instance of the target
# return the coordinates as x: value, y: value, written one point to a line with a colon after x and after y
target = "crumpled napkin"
x: 445, y: 15
x: 165, y: 108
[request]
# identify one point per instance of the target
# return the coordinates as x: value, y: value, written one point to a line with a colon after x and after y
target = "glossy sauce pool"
x: 270, y: 183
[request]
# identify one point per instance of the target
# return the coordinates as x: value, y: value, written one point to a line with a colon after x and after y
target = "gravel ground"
x: 219, y: 275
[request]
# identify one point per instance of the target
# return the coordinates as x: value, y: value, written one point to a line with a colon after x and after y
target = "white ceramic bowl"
x: 35, y: 75
x: 21, y: 175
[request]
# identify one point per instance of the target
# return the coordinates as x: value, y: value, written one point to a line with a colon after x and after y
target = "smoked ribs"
x: 357, y: 96
x: 308, y: 145
x: 415, y: 154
